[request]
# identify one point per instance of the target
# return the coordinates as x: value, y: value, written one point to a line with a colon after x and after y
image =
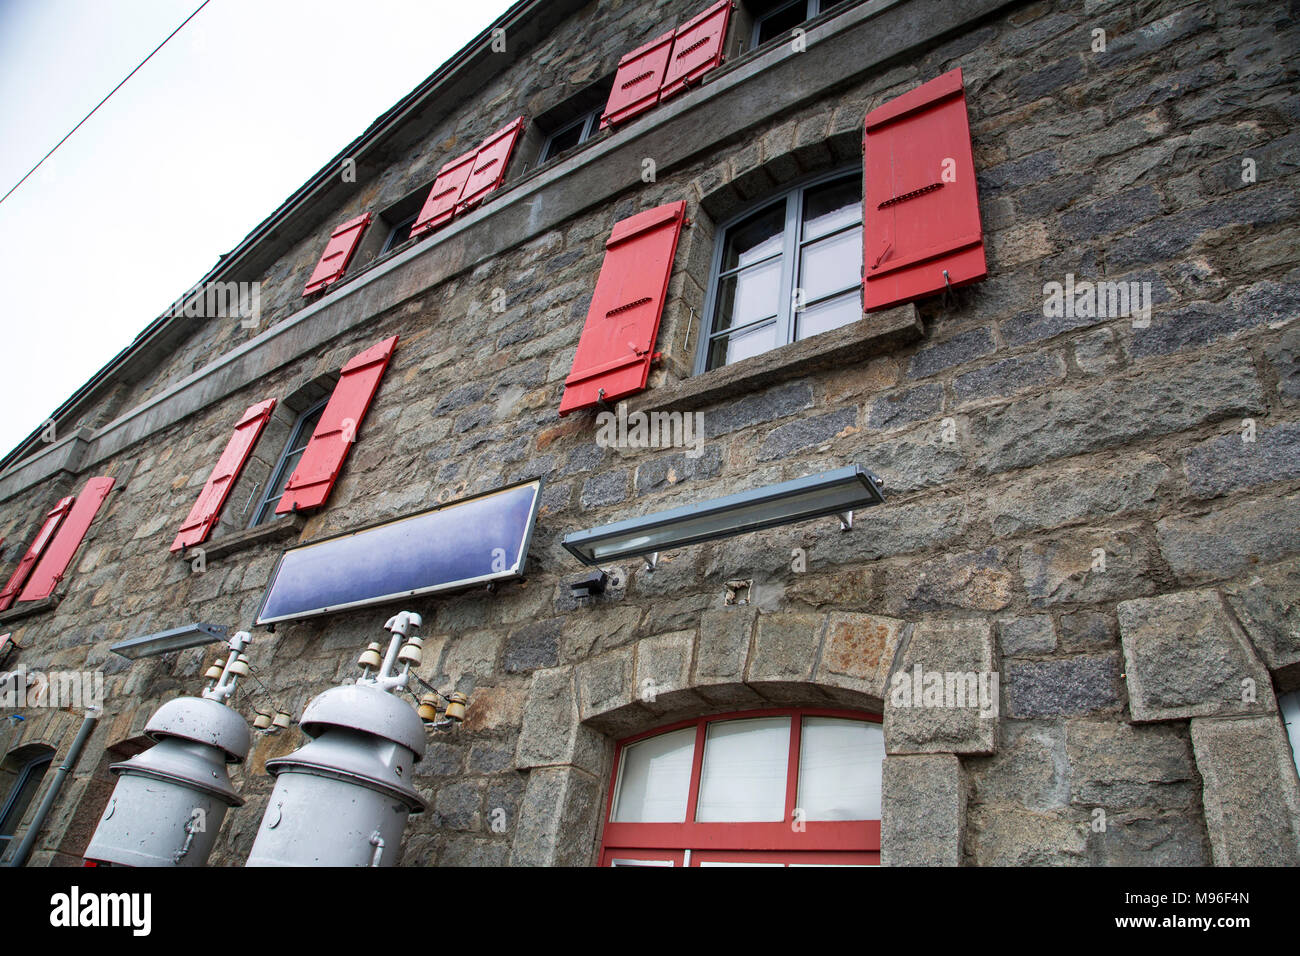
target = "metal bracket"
x: 947, y: 290
x: 846, y: 520
x: 651, y: 561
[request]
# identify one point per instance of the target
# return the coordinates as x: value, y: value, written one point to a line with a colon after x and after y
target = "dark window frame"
x: 8, y: 819
x: 590, y: 123
x: 404, y: 226
x: 279, y: 474
x: 790, y: 255
x: 812, y: 8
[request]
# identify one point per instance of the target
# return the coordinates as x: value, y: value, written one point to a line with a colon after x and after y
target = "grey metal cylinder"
x: 343, y: 798
x: 171, y: 799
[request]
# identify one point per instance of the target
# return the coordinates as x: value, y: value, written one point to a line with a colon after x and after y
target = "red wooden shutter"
x: 489, y: 167
x: 921, y: 214
x: 321, y: 462
x: 697, y: 48
x: 617, y: 344
x: 34, y: 552
x: 50, y: 569
x: 204, y: 514
x: 338, y: 253
x: 445, y: 193
x: 637, y: 82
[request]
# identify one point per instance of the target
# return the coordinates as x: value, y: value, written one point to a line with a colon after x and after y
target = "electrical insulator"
x: 456, y: 707
x: 428, y: 709
x: 349, y: 783
x: 170, y: 799
x: 411, y: 653
x: 370, y: 657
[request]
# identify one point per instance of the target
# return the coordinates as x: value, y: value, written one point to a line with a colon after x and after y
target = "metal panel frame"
x: 870, y: 486
x: 515, y: 571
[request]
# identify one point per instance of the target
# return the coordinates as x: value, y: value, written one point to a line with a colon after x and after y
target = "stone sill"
x: 28, y: 608
x: 289, y: 526
x: 874, y: 334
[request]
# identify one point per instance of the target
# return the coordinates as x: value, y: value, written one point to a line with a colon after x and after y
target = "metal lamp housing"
x: 344, y: 797
x: 171, y: 799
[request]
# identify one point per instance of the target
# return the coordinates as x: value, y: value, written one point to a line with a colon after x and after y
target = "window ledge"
x: 29, y: 608
x: 872, y: 335
x: 289, y: 526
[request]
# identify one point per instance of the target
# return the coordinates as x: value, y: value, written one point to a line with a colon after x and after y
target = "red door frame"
x: 823, y: 841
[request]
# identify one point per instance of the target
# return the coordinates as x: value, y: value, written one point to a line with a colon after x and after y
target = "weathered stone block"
x: 903, y: 408
x: 1070, y: 494
x: 1184, y: 657
x: 858, y: 652
x: 663, y: 670
x: 1011, y: 836
x: 923, y: 810
x: 1228, y: 463
x: 557, y: 819
x: 1268, y: 607
x: 942, y: 647
x: 1119, y: 766
x: 1066, y: 687
x: 806, y: 433
x: 1029, y: 770
x: 1087, y: 565
x: 605, y: 686
x: 785, y: 651
x: 1027, y: 636
x: 973, y: 581
x: 1219, y: 544
x: 1008, y: 377
x: 1252, y: 797
x: 1063, y: 423
x: 551, y: 733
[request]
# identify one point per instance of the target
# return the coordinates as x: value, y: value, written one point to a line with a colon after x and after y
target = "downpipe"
x: 52, y: 791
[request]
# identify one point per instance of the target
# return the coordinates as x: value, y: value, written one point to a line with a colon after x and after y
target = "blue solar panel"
x: 474, y: 541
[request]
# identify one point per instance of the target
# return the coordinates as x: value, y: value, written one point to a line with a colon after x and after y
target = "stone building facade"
x: 1101, y: 510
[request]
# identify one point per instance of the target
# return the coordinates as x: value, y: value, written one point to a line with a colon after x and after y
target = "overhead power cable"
x: 104, y: 100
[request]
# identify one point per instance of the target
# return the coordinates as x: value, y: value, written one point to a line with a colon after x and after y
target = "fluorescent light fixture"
x: 836, y: 492
x: 178, y: 638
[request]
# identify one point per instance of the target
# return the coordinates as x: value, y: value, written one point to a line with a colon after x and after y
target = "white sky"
x: 214, y: 133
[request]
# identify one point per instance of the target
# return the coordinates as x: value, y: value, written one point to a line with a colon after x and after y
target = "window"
x: 775, y: 19
x: 1289, y: 704
x: 299, y: 438
x: 571, y: 122
x: 26, y: 775
x: 579, y: 131
x: 760, y: 788
x: 785, y: 272
x: 399, y: 233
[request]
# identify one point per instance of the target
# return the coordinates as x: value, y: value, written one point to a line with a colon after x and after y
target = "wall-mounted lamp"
x: 590, y: 585
x: 837, y: 492
x: 176, y: 639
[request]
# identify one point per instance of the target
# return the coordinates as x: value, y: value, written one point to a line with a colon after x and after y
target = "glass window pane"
x: 831, y: 265
x: 742, y: 345
x: 782, y: 21
x: 655, y: 778
x: 832, y: 207
x: 748, y: 295
x: 565, y: 139
x: 756, y: 238
x: 839, y: 769
x: 827, y: 315
x: 744, y: 771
